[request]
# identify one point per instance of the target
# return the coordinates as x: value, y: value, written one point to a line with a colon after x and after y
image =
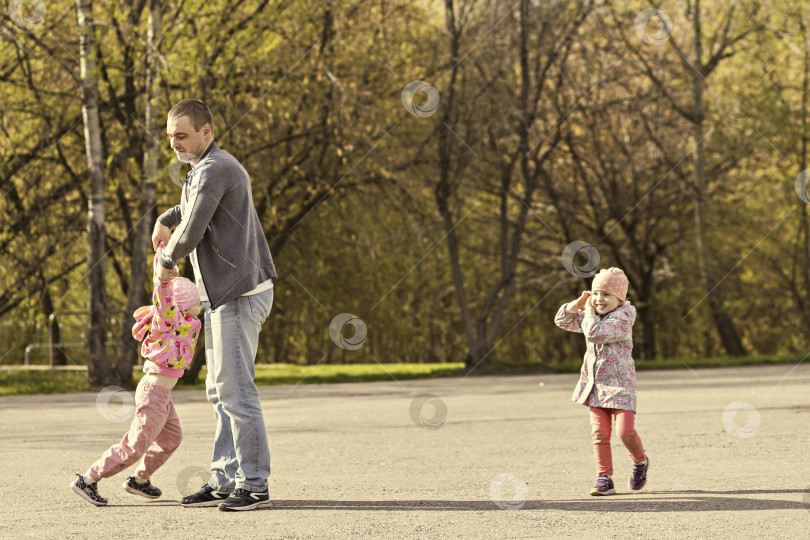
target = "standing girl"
x: 607, y: 382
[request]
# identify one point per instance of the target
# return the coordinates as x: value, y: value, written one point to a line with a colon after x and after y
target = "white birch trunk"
x: 98, y: 368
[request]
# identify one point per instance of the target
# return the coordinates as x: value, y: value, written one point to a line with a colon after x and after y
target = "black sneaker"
x: 207, y: 496
x: 144, y: 490
x: 244, y: 499
x: 88, y: 492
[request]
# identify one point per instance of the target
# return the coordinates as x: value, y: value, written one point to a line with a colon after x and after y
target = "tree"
x: 543, y: 40
x: 98, y: 367
x: 628, y: 192
x: 136, y: 296
x: 697, y: 69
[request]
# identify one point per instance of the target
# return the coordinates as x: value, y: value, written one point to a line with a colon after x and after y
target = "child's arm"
x: 167, y: 316
x: 155, y: 279
x: 612, y: 327
x: 158, y: 269
x: 569, y: 316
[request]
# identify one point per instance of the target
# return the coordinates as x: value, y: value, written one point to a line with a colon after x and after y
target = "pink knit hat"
x: 611, y: 280
x: 185, y: 293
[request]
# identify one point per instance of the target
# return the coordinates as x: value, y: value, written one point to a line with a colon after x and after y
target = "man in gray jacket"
x: 216, y: 225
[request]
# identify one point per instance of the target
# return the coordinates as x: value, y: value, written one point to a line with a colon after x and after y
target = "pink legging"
x: 600, y: 430
x: 154, y: 435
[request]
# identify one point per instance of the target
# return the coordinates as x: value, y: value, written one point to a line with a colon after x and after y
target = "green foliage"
x: 307, y: 96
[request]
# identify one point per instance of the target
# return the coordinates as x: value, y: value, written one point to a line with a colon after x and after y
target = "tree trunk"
x: 725, y: 326
x: 191, y: 374
x: 645, y: 314
x: 801, y: 254
x: 137, y: 296
x: 644, y: 300
x: 98, y: 367
x: 54, y: 332
x: 446, y: 188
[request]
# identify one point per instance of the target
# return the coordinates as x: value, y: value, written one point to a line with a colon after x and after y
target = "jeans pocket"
x: 260, y: 305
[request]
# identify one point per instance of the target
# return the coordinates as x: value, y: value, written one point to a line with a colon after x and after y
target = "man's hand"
x: 165, y: 275
x: 160, y: 234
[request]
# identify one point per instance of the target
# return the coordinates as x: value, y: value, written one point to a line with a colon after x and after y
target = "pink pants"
x: 154, y: 435
x: 600, y: 430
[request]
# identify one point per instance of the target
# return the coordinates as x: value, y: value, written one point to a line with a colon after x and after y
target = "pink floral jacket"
x: 608, y: 375
x: 168, y: 337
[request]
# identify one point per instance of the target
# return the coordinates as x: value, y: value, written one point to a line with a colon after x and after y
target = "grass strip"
x: 44, y: 381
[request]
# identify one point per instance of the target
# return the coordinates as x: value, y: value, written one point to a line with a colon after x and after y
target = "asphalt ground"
x: 478, y: 457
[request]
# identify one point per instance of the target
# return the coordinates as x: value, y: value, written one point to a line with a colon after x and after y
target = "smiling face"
x: 188, y: 143
x: 604, y: 302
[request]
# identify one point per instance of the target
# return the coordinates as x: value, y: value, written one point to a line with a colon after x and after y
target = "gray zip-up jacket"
x: 217, y: 217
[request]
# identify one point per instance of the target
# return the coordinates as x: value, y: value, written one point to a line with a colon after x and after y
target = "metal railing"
x: 53, y: 346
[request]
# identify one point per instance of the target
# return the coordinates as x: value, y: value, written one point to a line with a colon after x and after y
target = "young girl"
x: 170, y: 326
x: 607, y: 382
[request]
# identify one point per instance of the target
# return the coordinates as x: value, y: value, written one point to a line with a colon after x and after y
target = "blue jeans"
x: 241, y: 453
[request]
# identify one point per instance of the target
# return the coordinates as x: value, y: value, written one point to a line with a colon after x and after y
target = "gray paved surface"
x: 349, y: 461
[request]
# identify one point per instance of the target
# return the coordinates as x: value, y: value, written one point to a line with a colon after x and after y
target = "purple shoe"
x: 639, y: 477
x: 604, y: 486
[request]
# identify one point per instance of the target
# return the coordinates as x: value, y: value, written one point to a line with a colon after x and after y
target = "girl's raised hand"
x: 589, y: 307
x: 581, y: 302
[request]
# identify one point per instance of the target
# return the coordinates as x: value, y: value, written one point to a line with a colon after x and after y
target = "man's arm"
x: 162, y: 275
x: 163, y: 226
x: 204, y: 196
x: 160, y: 235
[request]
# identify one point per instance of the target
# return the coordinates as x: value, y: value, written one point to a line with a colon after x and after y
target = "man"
x: 217, y: 226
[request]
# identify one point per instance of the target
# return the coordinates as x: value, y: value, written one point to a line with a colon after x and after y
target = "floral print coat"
x: 608, y: 375
x: 168, y: 336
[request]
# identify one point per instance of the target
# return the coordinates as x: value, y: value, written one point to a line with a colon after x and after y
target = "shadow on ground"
x: 653, y: 501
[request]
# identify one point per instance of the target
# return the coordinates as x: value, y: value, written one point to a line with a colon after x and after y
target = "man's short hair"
x: 197, y: 111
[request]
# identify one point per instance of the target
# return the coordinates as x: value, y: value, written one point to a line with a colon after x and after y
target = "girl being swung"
x: 169, y: 329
